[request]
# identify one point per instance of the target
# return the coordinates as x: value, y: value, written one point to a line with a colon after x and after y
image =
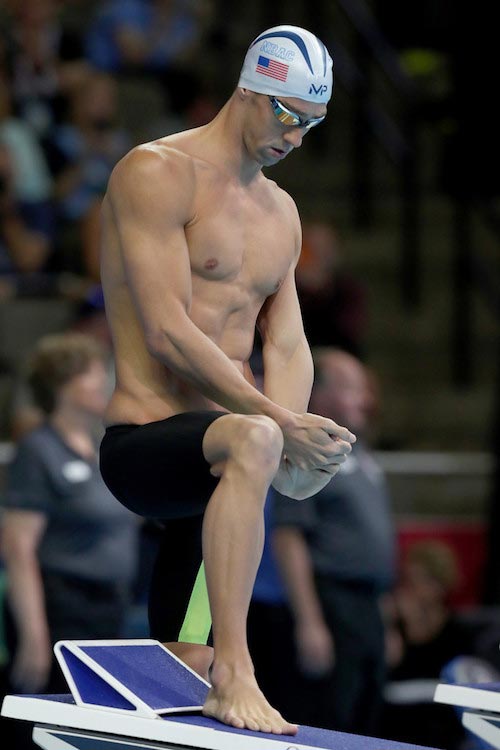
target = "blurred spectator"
x: 69, y: 547
x: 82, y: 154
x: 429, y: 576
x: 25, y: 238
x: 333, y: 302
x: 44, y: 60
x: 85, y: 148
x: 423, y: 635
x: 335, y: 552
x: 90, y: 320
x: 32, y: 182
x: 148, y: 34
x: 159, y: 37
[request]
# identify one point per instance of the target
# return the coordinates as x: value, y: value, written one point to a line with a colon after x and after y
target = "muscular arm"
x: 151, y: 226
x: 288, y: 378
x: 288, y: 367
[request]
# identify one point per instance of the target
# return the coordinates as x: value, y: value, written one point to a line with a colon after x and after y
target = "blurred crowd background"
x: 398, y: 193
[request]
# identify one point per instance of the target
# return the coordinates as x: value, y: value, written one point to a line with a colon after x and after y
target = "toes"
x: 233, y: 721
x: 264, y: 723
x: 280, y: 726
x: 272, y: 723
x: 266, y: 726
x: 253, y: 725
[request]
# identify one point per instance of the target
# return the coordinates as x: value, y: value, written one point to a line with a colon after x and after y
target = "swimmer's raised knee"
x: 263, y: 436
x: 254, y: 438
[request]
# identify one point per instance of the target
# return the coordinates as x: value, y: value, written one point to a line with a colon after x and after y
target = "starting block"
x: 137, y: 695
x: 480, y: 704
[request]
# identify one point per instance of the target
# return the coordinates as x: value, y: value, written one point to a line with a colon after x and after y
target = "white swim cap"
x: 288, y: 61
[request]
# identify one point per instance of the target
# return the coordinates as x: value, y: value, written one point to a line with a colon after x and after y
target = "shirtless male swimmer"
x: 199, y: 248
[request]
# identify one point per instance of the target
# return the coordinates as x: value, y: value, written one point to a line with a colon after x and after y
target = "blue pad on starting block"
x: 132, y: 676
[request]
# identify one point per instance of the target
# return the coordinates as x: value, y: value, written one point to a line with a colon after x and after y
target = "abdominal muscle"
x: 146, y: 390
x: 151, y: 392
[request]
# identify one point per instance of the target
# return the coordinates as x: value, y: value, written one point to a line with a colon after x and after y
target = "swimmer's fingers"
x: 331, y: 468
x: 336, y: 431
x: 336, y: 451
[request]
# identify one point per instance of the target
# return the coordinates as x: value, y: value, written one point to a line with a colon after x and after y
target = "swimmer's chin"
x: 272, y: 156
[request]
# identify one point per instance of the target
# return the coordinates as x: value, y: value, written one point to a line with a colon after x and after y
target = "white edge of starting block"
x: 466, y: 696
x: 47, y: 713
x: 484, y: 726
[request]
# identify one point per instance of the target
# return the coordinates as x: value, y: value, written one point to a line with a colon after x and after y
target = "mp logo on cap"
x: 318, y: 90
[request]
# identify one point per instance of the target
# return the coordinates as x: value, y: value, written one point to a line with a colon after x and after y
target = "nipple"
x: 211, y: 263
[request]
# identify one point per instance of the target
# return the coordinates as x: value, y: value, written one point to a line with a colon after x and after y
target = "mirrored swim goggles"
x: 292, y: 119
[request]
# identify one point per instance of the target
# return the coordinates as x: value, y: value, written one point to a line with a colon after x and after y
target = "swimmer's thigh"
x: 158, y: 470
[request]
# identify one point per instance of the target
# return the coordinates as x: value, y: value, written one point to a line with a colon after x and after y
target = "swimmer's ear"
x: 243, y: 93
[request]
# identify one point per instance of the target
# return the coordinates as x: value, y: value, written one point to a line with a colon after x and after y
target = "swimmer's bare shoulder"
x: 153, y: 177
x: 288, y: 213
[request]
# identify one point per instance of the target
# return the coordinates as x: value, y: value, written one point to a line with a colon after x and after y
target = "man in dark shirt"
x: 336, y: 557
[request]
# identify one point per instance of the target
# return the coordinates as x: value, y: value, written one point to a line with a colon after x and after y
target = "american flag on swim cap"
x: 272, y: 68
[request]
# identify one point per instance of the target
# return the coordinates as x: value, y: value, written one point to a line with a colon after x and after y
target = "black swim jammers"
x: 158, y: 469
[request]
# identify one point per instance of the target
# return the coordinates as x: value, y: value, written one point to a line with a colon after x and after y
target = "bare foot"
x: 195, y: 655
x: 237, y: 700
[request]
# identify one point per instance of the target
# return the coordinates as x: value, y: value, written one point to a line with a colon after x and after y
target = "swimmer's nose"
x: 294, y: 137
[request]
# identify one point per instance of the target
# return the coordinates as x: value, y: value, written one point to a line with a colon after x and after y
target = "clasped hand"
x: 314, y: 449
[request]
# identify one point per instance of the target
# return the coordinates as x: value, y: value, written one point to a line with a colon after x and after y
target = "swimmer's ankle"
x: 225, y: 671
x: 197, y: 656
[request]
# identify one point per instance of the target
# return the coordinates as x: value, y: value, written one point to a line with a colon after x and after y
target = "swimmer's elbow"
x: 159, y: 345
x: 165, y: 344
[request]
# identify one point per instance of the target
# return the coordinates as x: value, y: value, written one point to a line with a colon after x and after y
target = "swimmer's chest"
x: 242, y: 240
